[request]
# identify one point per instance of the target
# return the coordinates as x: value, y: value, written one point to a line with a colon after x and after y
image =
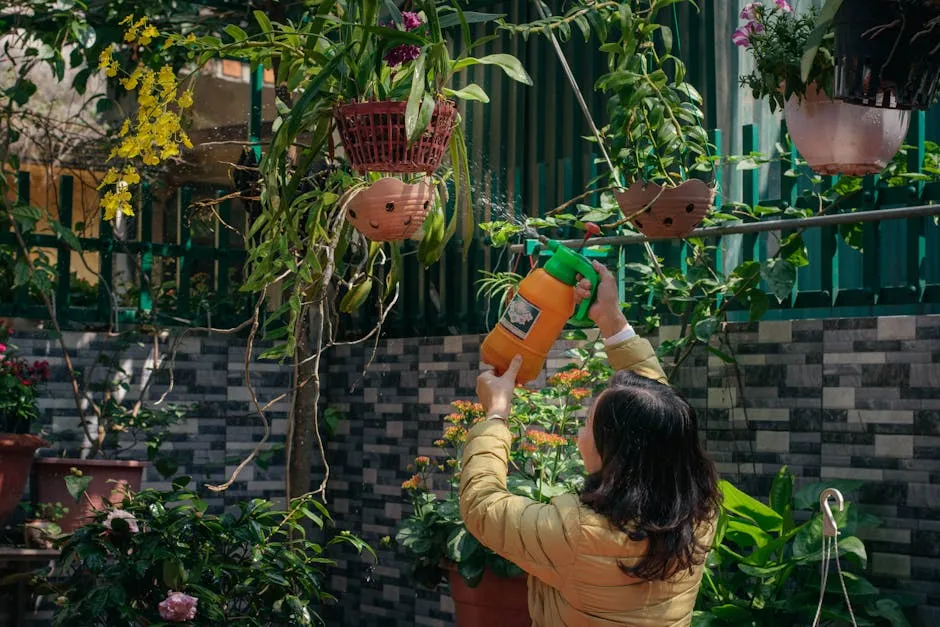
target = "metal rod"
x: 917, y: 211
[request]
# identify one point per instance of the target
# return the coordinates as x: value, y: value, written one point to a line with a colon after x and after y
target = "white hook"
x: 830, y: 528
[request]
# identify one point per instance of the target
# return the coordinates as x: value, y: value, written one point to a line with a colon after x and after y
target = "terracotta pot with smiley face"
x: 390, y: 209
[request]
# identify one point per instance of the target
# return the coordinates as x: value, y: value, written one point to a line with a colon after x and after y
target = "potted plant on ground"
x: 544, y: 463
x: 833, y: 136
x: 20, y: 383
x: 765, y: 566
x: 161, y: 558
x: 113, y: 428
x: 886, y: 51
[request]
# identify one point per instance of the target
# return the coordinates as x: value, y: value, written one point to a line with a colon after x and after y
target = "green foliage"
x: 544, y: 463
x: 255, y: 566
x: 777, y: 46
x: 765, y: 568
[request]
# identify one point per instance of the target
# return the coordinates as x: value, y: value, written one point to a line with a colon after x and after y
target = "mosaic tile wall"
x: 855, y: 398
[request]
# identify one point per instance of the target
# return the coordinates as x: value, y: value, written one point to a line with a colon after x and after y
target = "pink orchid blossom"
x: 750, y: 10
x: 784, y: 6
x: 178, y: 607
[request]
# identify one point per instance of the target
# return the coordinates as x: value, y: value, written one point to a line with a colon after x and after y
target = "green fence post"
x: 145, y: 299
x: 254, y: 113
x: 106, y: 259
x: 21, y: 303
x: 222, y: 257
x: 184, y: 263
x: 64, y: 255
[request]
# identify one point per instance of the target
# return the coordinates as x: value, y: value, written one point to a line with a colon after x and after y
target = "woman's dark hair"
x: 655, y: 481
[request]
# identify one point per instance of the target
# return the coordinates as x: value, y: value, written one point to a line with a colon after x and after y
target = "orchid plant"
x: 544, y: 463
x: 776, y: 36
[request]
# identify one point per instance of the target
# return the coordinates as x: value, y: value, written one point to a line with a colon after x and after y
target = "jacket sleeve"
x: 539, y: 538
x: 636, y: 354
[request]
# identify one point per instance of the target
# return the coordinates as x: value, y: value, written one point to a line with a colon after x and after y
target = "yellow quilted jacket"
x: 569, y: 551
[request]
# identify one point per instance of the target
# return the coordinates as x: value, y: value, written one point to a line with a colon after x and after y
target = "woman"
x: 629, y: 550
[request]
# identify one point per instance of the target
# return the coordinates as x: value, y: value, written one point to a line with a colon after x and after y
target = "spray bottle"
x: 538, y: 312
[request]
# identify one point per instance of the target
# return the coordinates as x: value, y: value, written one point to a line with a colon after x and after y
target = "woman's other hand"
x: 495, y: 393
x: 605, y: 312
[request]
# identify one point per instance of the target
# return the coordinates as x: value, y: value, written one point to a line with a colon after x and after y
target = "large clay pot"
x: 16, y: 458
x: 390, y: 209
x: 836, y: 137
x: 495, y: 602
x: 663, y: 212
x: 111, y: 479
x: 374, y: 138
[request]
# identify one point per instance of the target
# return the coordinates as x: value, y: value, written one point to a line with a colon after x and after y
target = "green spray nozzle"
x: 565, y: 265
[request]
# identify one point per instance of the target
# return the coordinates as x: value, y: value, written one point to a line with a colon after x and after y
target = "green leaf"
x: 508, y: 63
x: 733, y: 614
x: 65, y: 234
x: 470, y: 92
x: 263, y: 22
x: 84, y: 33
x: 22, y: 91
x: 415, y: 99
x: 77, y: 485
x: 705, y: 329
x: 758, y: 304
x: 781, y: 495
x: 814, y: 41
x: 747, y: 535
x: 472, y: 569
x: 472, y: 17
x: 461, y: 545
x: 739, y: 503
x: 235, y: 32
x: 780, y: 275
x: 890, y: 611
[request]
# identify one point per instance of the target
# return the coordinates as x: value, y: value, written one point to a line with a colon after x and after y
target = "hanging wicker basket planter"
x: 390, y: 209
x: 886, y: 54
x: 374, y: 137
x: 666, y: 212
x: 837, y: 137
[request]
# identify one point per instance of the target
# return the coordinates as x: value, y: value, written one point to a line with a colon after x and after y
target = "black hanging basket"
x: 887, y: 53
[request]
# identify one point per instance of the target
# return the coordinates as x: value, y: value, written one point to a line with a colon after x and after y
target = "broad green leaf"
x: 781, y: 495
x: 76, y: 485
x: 508, y: 63
x: 807, y: 497
x: 263, y: 21
x: 705, y: 329
x: 746, y: 534
x: 741, y: 504
x: 235, y: 32
x: 470, y: 92
x: 461, y: 545
x: 890, y: 611
x: 780, y: 275
x: 415, y: 99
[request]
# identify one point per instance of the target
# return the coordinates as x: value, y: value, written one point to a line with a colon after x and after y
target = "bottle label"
x: 520, y: 317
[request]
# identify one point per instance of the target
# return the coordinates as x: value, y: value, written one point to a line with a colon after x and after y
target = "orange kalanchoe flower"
x: 528, y: 447
x: 440, y: 443
x: 542, y: 438
x: 454, y: 419
x: 580, y: 393
x: 469, y: 408
x: 570, y: 378
x: 455, y: 435
x: 412, y: 484
x: 422, y: 461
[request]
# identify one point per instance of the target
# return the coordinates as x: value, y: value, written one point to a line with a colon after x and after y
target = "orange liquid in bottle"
x: 533, y: 321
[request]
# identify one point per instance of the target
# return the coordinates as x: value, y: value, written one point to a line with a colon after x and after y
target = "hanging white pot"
x: 836, y: 137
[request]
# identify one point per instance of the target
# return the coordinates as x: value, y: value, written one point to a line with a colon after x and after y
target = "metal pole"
x: 918, y: 211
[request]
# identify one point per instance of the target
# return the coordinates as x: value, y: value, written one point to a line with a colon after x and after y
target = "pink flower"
x: 742, y: 36
x: 750, y: 11
x: 3, y: 348
x: 124, y: 515
x: 178, y: 607
x: 412, y: 21
x: 784, y: 6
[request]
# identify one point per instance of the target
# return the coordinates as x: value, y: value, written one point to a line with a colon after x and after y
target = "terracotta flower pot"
x: 661, y: 212
x: 374, y: 138
x: 836, y: 137
x: 390, y: 209
x: 110, y: 480
x: 495, y: 602
x: 16, y: 457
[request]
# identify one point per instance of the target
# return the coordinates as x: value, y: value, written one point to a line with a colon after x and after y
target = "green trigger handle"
x: 565, y: 265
